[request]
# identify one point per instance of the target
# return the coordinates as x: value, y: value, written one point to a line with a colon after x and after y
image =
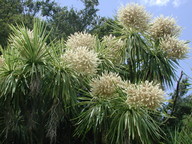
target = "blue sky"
x: 179, y: 9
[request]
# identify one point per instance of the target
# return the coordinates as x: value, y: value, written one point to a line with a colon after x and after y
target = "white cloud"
x: 156, y: 2
x: 175, y: 3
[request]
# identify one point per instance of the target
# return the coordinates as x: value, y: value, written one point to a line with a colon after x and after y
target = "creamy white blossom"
x: 14, y: 38
x: 82, y: 60
x: 106, y: 85
x: 145, y: 94
x: 134, y: 16
x: 114, y: 48
x: 164, y: 26
x: 30, y: 34
x: 174, y: 48
x: 81, y: 39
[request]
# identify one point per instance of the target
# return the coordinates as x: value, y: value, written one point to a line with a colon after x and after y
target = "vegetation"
x: 74, y: 77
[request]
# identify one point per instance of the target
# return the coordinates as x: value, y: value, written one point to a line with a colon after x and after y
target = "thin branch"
x: 175, y: 97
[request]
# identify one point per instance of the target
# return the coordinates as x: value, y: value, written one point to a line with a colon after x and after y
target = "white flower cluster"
x: 145, y: 94
x: 166, y: 29
x: 106, y: 85
x: 81, y: 39
x: 22, y: 36
x: 174, y: 48
x: 30, y: 34
x: 82, y: 60
x: 114, y: 48
x: 164, y: 26
x: 134, y: 16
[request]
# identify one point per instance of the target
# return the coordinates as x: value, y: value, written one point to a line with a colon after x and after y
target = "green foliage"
x: 39, y: 93
x: 183, y: 136
x: 8, y: 17
x: 114, y: 121
x: 30, y: 110
x: 66, y: 21
x: 63, y: 20
x: 103, y: 27
x: 180, y: 104
x: 144, y: 59
x: 44, y: 100
x: 178, y: 126
x: 21, y: 12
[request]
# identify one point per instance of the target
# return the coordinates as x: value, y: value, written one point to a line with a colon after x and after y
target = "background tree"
x: 103, y: 27
x: 65, y: 21
x: 13, y: 12
x: 8, y: 16
x: 180, y: 110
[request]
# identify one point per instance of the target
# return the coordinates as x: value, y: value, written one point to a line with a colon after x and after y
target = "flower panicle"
x: 106, y: 85
x: 145, y: 94
x: 174, y: 48
x: 134, y: 16
x: 164, y: 26
x: 114, y: 48
x: 82, y: 60
x: 81, y: 39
